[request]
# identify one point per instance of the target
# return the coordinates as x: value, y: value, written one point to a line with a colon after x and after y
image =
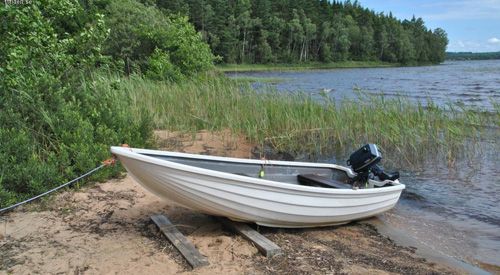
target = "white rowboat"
x: 266, y: 192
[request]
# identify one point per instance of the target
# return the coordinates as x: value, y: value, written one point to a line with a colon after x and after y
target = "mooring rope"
x: 104, y: 164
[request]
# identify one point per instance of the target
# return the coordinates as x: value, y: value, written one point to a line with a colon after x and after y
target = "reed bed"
x: 298, y: 123
x: 303, y: 66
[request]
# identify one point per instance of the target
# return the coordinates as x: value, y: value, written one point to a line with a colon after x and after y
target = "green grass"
x: 303, y: 66
x: 298, y: 124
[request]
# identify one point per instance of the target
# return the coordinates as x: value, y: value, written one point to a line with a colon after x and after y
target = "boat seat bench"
x: 316, y: 180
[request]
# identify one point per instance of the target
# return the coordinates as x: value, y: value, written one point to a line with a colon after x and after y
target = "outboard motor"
x: 364, y: 162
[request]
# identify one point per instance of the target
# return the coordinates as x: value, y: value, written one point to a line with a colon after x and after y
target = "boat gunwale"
x: 140, y: 155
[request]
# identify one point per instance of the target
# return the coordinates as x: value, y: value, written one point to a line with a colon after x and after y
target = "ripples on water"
x: 474, y: 83
x: 462, y: 200
x: 455, y: 210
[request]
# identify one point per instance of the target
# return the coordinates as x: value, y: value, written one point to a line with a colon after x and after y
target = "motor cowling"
x: 364, y: 162
x: 364, y: 158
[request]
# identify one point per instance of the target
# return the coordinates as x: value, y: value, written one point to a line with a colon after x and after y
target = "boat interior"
x: 311, y: 176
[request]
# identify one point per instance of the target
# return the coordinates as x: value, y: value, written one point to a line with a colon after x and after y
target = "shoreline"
x: 105, y: 227
x: 245, y: 68
x: 403, y: 239
x: 241, y: 68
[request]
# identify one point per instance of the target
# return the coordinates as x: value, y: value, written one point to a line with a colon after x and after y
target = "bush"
x: 54, y: 125
x: 161, y: 68
x: 146, y: 40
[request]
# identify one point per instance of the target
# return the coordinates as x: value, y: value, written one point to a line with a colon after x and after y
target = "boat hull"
x: 264, y: 202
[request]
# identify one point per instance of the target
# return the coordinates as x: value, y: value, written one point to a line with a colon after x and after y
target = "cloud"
x: 462, y: 9
x: 493, y: 45
x: 461, y: 45
x: 494, y: 40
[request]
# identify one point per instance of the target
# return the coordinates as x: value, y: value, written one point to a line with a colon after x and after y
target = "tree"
x: 296, y: 35
x: 325, y: 40
x: 381, y: 40
x: 341, y: 39
x: 440, y: 41
x: 245, y: 24
x: 146, y: 30
x: 309, y: 34
x: 257, y: 31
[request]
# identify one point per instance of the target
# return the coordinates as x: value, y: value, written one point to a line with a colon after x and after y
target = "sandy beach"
x: 104, y: 228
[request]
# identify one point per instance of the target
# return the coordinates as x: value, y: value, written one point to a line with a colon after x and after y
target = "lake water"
x: 473, y: 83
x: 453, y: 209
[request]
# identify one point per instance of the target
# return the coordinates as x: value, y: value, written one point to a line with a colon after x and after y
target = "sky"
x: 472, y: 25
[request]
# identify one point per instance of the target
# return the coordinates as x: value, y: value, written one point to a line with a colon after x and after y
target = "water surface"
x: 472, y: 83
x: 453, y: 208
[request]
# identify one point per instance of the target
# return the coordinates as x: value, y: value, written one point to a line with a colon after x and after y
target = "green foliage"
x: 142, y: 34
x: 161, y: 68
x: 472, y: 56
x: 290, y: 31
x: 55, y: 126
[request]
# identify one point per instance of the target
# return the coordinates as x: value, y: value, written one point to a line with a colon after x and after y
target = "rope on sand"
x: 104, y: 164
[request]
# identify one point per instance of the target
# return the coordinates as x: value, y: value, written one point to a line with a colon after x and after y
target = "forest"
x: 472, y: 56
x: 289, y: 31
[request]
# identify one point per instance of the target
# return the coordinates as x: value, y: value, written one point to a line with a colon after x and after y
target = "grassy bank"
x: 295, y: 122
x: 303, y: 66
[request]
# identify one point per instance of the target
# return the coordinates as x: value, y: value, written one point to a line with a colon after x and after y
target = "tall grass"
x: 303, y: 66
x: 297, y: 123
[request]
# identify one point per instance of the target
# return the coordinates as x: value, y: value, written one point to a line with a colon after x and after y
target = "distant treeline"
x: 472, y: 56
x: 291, y: 31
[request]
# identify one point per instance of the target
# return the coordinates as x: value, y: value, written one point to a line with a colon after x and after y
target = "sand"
x: 104, y: 228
